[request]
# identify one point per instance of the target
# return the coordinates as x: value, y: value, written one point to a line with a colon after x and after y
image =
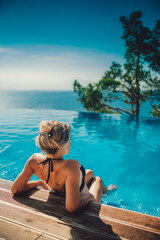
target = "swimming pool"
x: 122, y: 150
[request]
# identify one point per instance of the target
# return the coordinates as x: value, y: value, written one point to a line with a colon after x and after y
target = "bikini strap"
x: 50, y: 167
x: 83, y: 177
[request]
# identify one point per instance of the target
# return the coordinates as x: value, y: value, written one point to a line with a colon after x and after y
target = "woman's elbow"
x: 13, y: 190
x: 72, y: 208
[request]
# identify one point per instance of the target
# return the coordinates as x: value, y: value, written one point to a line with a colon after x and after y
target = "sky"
x: 46, y: 45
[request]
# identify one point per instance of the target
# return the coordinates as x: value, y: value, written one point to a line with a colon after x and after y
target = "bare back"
x: 61, y: 169
x: 67, y: 177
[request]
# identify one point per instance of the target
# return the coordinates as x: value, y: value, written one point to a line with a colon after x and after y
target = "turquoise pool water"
x: 121, y: 149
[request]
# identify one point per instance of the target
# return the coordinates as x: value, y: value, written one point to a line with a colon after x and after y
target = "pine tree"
x: 137, y: 82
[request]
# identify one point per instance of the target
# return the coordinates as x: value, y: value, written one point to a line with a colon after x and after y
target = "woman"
x: 64, y: 176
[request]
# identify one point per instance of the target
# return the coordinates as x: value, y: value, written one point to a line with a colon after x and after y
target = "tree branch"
x: 130, y: 90
x: 157, y: 109
x: 118, y: 109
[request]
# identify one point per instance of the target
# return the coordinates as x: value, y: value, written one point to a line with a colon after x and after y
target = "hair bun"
x: 57, y: 135
x: 45, y: 127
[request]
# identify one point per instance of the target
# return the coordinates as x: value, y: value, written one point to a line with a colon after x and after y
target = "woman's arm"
x: 74, y: 201
x: 21, y: 183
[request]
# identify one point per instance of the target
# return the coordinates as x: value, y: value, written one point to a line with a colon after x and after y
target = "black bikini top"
x: 50, y: 169
x: 83, y: 178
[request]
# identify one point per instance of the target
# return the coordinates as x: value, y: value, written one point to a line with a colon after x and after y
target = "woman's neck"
x: 55, y: 156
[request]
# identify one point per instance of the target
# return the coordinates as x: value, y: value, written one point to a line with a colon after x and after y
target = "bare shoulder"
x: 35, y: 158
x: 72, y: 165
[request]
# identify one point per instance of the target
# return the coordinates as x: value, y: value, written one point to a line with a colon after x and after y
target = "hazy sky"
x: 47, y: 44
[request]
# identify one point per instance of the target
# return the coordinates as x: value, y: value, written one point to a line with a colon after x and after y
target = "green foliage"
x: 89, y: 96
x: 106, y: 110
x: 142, y: 46
x: 155, y: 113
x: 136, y: 82
x: 155, y: 110
x: 153, y: 58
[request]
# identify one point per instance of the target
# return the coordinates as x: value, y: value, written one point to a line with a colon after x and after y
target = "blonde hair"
x: 53, y: 136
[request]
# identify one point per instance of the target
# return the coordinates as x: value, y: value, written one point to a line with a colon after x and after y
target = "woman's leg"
x: 90, y: 177
x: 96, y: 189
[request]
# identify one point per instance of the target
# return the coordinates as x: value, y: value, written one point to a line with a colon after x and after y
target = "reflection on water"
x: 122, y: 150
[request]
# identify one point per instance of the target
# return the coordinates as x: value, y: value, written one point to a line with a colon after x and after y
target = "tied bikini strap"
x: 49, y: 160
x: 50, y: 168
